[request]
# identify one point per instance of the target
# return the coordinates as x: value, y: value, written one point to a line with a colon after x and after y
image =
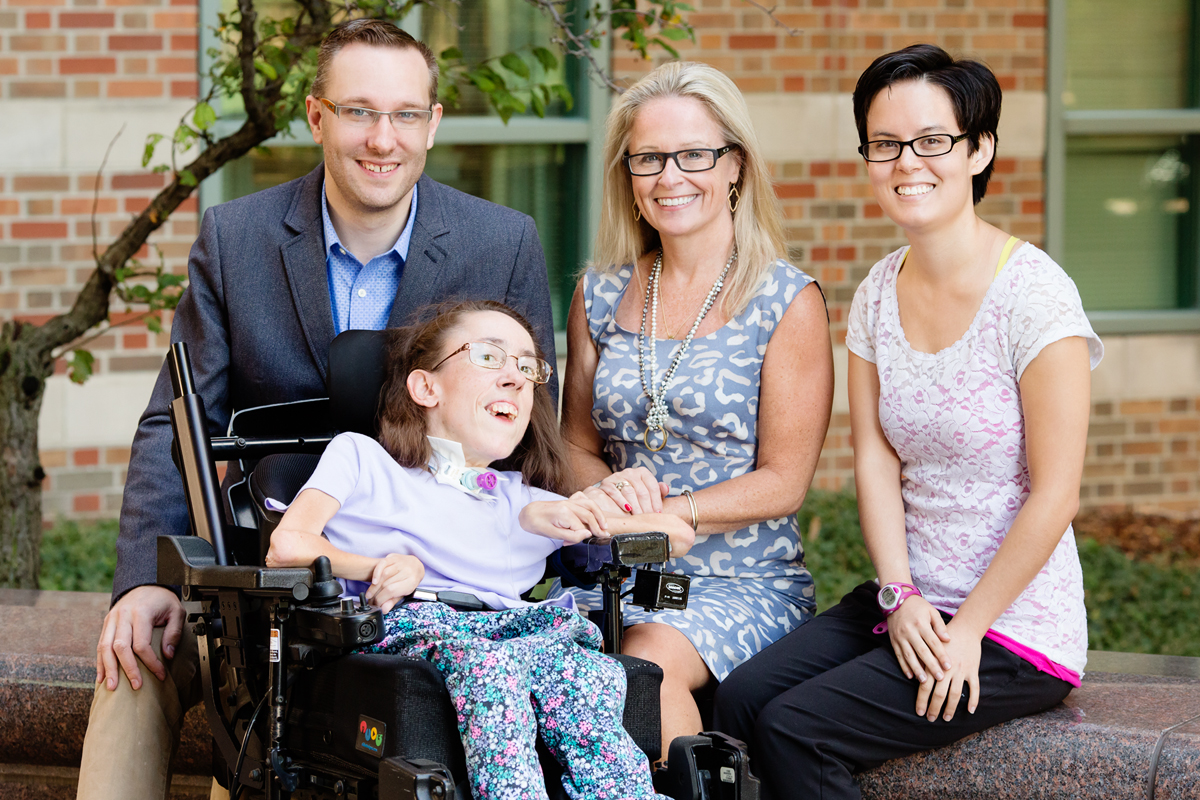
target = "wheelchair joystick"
x: 325, y: 589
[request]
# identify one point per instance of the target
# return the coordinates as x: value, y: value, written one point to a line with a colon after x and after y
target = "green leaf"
x: 186, y: 178
x: 564, y: 94
x: 484, y: 83
x: 515, y: 64
x: 451, y: 54
x: 450, y: 94
x: 265, y: 69
x: 79, y: 365
x: 154, y: 323
x: 675, y: 34
x: 539, y: 106
x: 151, y: 142
x: 547, y: 58
x: 204, y: 116
x: 661, y: 43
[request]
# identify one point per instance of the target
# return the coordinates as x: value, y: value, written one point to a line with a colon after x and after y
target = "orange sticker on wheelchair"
x: 370, y: 736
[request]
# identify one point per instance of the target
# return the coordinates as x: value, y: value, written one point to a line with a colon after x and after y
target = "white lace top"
x: 954, y: 418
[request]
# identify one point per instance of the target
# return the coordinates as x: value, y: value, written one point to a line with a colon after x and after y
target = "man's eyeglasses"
x: 937, y: 144
x: 356, y: 117
x: 695, y: 159
x: 490, y: 356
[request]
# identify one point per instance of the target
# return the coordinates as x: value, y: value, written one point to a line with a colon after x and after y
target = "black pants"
x: 829, y: 699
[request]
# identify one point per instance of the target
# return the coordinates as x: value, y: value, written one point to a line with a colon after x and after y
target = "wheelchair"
x: 293, y: 712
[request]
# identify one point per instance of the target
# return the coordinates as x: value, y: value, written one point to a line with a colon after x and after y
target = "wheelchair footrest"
x: 414, y: 779
x: 710, y: 766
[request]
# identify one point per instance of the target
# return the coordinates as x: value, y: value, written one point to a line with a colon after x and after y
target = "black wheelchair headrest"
x: 356, y: 373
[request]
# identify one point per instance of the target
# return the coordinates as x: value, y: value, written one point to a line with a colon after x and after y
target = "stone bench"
x: 1131, y: 731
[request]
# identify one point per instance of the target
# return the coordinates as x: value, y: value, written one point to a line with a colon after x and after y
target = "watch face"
x: 887, y: 596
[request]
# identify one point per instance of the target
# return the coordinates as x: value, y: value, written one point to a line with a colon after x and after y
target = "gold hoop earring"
x: 735, y: 197
x: 637, y: 212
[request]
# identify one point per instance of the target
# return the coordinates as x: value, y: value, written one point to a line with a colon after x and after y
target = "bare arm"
x: 1055, y: 401
x: 915, y: 629
x: 583, y: 440
x: 298, y: 542
x: 795, y: 402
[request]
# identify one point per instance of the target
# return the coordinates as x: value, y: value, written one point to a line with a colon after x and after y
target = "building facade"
x: 1095, y: 164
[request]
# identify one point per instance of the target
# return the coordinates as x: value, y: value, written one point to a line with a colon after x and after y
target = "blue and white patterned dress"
x: 749, y: 586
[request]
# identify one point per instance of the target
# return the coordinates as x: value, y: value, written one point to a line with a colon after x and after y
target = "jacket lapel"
x: 304, y: 263
x: 427, y: 260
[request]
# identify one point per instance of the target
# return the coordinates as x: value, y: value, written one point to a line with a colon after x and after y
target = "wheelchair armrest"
x: 622, y: 550
x: 190, y: 561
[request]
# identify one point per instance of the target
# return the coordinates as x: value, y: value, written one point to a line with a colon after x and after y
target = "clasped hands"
x: 941, y: 657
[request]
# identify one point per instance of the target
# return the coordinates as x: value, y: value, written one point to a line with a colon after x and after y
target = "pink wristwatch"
x: 891, y: 595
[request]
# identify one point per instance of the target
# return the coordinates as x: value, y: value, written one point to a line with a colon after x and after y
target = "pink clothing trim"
x: 1042, y: 663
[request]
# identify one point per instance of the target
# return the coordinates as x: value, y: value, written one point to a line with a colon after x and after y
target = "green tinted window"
x: 1127, y: 220
x: 483, y: 29
x: 1123, y: 54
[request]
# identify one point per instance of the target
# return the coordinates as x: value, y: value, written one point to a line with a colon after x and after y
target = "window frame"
x: 1062, y: 124
x: 584, y: 127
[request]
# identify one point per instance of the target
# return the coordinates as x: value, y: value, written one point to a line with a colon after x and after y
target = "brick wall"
x: 141, y: 55
x: 113, y: 61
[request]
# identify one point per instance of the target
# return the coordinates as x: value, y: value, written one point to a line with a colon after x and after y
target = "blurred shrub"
x: 79, y: 557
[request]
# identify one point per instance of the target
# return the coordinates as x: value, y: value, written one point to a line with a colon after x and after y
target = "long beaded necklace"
x: 656, y: 416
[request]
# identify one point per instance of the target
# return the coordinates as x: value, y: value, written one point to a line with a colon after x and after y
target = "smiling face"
x: 485, y: 410
x: 371, y: 170
x: 917, y: 193
x: 678, y: 203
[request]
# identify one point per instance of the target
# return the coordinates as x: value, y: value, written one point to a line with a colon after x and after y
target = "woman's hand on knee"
x: 395, y: 577
x: 918, y: 637
x: 942, y: 697
x: 635, y: 491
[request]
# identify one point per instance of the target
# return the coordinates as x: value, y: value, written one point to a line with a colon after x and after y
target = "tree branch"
x: 96, y: 194
x: 770, y: 12
x: 62, y: 350
x: 574, y: 44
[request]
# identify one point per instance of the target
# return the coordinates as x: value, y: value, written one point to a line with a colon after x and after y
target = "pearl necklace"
x: 656, y: 416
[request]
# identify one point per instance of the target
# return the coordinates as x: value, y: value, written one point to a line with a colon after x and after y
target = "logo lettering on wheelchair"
x: 370, y: 736
x: 674, y: 588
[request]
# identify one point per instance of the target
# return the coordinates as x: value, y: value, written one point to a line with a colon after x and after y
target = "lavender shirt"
x: 466, y: 543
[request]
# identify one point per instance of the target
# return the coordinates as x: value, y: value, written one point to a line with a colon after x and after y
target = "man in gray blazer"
x: 365, y: 240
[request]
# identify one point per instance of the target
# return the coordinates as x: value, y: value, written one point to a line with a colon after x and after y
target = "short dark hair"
x: 541, y: 455
x: 973, y: 89
x: 376, y: 33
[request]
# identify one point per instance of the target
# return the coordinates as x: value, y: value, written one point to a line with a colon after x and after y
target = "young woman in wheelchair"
x: 421, y: 507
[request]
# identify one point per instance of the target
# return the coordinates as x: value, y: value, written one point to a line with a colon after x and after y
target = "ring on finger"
x: 620, y: 485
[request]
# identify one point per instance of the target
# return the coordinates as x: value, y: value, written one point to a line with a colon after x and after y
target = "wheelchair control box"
x: 711, y: 766
x: 414, y: 779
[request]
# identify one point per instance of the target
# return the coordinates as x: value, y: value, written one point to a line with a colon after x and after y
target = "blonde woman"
x: 699, y: 375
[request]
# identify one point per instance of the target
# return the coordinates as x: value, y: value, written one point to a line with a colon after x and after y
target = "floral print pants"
x: 512, y: 674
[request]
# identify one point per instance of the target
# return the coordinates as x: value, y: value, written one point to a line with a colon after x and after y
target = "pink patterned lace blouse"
x: 954, y: 419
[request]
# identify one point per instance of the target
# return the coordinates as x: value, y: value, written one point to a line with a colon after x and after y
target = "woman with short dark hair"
x: 970, y: 360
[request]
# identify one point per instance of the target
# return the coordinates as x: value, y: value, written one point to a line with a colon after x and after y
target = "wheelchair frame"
x: 306, y: 624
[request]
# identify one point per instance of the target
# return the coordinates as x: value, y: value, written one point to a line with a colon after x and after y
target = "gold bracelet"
x: 692, y: 502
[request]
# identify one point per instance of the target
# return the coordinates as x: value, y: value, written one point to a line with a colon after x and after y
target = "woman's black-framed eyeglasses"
x: 490, y: 356
x: 937, y: 144
x: 694, y: 159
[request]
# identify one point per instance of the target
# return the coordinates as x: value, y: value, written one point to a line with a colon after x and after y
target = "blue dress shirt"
x: 362, y: 296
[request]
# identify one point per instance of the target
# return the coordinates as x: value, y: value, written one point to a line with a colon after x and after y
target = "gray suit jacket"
x: 258, y: 321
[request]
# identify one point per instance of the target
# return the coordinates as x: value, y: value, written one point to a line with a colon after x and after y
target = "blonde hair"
x: 758, y: 221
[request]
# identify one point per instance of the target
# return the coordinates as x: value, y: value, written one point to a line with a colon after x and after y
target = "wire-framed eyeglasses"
x: 357, y: 117
x: 694, y: 159
x: 936, y: 144
x: 490, y: 356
